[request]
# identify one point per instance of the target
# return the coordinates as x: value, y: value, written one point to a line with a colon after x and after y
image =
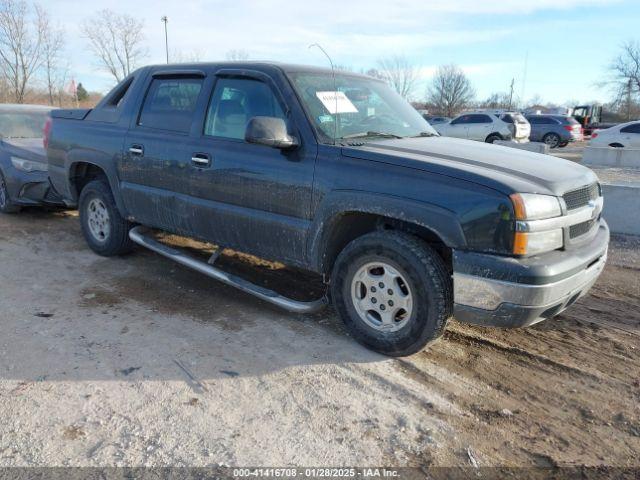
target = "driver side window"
x: 234, y: 102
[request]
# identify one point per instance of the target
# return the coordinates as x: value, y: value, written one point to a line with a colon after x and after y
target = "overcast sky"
x: 568, y: 42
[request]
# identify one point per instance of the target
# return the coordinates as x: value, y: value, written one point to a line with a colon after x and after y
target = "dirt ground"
x: 136, y: 361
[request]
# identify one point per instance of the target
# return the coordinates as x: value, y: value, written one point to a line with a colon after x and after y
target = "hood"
x: 28, y: 148
x: 508, y: 170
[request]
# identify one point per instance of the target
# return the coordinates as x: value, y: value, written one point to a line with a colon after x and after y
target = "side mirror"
x: 269, y: 131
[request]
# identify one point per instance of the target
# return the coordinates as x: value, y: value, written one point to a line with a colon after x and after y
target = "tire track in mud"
x: 551, y: 416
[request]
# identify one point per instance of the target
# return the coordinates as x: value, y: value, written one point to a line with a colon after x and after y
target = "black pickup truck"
x: 334, y: 173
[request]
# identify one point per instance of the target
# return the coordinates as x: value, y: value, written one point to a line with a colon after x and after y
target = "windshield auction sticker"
x: 336, y: 102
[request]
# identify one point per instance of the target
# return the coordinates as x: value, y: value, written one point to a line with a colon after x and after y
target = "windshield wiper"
x: 370, y: 134
x: 426, y: 134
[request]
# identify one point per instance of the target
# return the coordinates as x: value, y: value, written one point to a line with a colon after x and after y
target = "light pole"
x: 165, y: 19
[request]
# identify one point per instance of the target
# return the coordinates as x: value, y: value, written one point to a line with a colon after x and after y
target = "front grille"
x: 581, y: 196
x: 581, y: 228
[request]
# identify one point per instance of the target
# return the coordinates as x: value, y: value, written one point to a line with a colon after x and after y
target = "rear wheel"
x: 393, y: 292
x: 552, y: 139
x: 104, y: 229
x: 6, y: 205
x: 494, y: 137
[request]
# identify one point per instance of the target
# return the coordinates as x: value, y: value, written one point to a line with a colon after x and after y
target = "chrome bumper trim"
x: 489, y: 294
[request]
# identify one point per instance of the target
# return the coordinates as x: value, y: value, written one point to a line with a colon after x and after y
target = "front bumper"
x: 510, y: 292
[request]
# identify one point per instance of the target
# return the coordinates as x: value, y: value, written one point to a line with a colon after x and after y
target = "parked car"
x: 554, y: 130
x: 485, y: 127
x: 23, y: 163
x: 434, y: 120
x: 406, y: 227
x: 621, y: 136
x: 519, y: 125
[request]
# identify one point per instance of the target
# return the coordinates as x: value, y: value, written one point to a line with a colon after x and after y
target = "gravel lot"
x: 136, y: 361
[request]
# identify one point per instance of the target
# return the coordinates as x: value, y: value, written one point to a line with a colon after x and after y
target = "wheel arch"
x: 81, y: 172
x: 494, y: 134
x: 349, y: 215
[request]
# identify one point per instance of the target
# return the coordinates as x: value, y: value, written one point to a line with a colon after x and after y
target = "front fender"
x: 439, y: 220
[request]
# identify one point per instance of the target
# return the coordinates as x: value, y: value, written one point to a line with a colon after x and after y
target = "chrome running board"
x: 140, y: 236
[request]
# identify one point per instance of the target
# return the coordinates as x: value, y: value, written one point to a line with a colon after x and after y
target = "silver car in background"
x: 487, y: 127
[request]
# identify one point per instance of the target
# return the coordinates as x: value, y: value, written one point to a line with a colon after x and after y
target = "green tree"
x: 82, y: 93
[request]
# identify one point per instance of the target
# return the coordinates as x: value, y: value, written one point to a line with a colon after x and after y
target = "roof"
x: 285, y: 67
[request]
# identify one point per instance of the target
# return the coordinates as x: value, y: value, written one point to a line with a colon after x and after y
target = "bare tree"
x: 450, y: 90
x: 117, y: 40
x: 192, y: 56
x: 625, y: 76
x: 52, y: 46
x: 398, y: 72
x: 21, y: 38
x: 498, y: 100
x: 237, y: 55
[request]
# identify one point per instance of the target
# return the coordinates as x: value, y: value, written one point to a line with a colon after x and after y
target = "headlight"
x: 529, y: 207
x: 28, y: 165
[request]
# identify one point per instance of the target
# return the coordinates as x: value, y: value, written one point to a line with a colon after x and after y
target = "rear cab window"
x: 170, y: 104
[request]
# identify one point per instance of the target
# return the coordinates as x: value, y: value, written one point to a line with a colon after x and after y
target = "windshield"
x: 22, y: 125
x: 356, y: 107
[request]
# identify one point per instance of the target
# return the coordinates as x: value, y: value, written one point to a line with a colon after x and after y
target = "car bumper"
x: 511, y: 292
x: 30, y: 188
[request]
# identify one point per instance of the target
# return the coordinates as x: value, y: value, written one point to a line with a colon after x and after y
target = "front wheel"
x: 104, y: 229
x: 393, y: 292
x: 494, y: 137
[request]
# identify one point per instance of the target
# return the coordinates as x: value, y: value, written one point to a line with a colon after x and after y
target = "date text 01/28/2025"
x: 316, y: 472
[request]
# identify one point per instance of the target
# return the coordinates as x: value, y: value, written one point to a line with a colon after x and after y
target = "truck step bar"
x: 142, y: 236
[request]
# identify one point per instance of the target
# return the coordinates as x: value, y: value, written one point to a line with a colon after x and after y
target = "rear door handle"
x: 136, y: 149
x: 201, y: 159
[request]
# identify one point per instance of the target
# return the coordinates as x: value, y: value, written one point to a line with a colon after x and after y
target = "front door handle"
x: 201, y: 159
x: 136, y: 149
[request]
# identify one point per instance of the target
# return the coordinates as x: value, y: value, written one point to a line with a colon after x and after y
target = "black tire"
x: 427, y: 278
x: 6, y: 205
x: 563, y: 144
x: 116, y: 241
x: 552, y: 139
x: 616, y: 145
x: 494, y: 137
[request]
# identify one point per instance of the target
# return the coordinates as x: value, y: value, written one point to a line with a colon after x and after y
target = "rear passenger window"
x: 234, y: 102
x: 170, y: 104
x: 481, y: 119
x: 542, y: 121
x: 634, y: 128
